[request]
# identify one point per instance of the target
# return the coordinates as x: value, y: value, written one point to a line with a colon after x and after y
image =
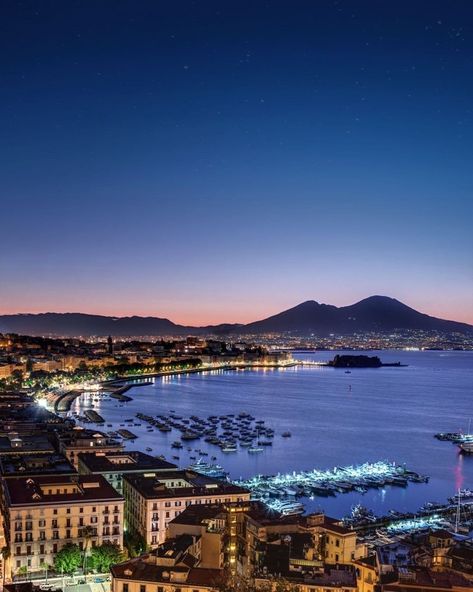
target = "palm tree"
x: 87, y: 533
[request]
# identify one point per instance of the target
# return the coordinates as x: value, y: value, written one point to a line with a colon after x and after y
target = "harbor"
x: 327, y: 422
x: 279, y: 491
x: 230, y: 432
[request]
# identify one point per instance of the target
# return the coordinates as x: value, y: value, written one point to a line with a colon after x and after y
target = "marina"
x: 276, y: 491
x: 330, y: 423
x: 229, y: 432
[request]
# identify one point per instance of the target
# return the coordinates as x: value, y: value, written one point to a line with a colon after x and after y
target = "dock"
x: 126, y: 434
x: 276, y: 490
x: 93, y: 416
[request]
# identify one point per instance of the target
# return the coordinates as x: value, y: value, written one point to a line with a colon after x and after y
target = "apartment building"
x: 114, y: 465
x: 80, y: 441
x: 153, y: 501
x: 173, y: 567
x: 42, y: 514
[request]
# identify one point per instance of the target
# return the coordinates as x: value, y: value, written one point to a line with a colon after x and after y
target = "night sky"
x: 222, y: 161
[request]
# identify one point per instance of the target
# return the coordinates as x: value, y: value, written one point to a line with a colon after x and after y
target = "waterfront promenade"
x: 61, y: 400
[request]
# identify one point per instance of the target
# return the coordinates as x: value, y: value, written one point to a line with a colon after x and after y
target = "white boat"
x: 229, y: 449
x: 466, y: 447
x: 255, y: 450
x: 291, y: 508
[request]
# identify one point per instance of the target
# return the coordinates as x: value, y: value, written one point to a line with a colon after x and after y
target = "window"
x: 337, y: 542
x: 81, y: 510
x: 68, y: 511
x: 55, y: 512
x: 125, y: 588
x: 142, y: 587
x: 41, y: 549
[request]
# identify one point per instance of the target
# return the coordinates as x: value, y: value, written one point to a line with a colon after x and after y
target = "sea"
x: 335, y: 419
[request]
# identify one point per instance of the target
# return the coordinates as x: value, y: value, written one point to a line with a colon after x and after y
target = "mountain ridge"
x: 374, y: 313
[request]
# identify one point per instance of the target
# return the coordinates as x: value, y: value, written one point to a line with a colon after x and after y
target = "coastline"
x: 118, y: 386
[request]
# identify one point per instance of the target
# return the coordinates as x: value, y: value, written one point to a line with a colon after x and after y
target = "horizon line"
x: 199, y: 324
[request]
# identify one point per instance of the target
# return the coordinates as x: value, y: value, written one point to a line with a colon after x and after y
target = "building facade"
x: 153, y: 501
x: 42, y: 514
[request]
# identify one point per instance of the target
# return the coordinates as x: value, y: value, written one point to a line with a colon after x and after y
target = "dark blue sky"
x: 212, y: 161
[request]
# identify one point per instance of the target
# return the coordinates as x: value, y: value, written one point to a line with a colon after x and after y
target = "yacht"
x: 466, y: 447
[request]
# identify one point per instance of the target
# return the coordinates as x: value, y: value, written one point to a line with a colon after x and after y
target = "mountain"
x: 75, y: 324
x: 376, y: 313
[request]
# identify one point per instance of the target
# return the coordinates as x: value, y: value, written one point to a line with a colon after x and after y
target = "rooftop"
x: 55, y: 490
x: 422, y: 577
x: 81, y: 437
x: 105, y: 462
x: 143, y: 570
x: 196, y: 514
x: 30, y: 465
x: 13, y: 443
x: 181, y: 483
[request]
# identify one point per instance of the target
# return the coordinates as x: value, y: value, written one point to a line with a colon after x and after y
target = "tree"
x: 135, y: 543
x: 68, y: 559
x: 16, y: 378
x: 104, y: 556
x: 45, y: 567
x: 5, y: 556
x: 87, y: 533
x: 22, y: 571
